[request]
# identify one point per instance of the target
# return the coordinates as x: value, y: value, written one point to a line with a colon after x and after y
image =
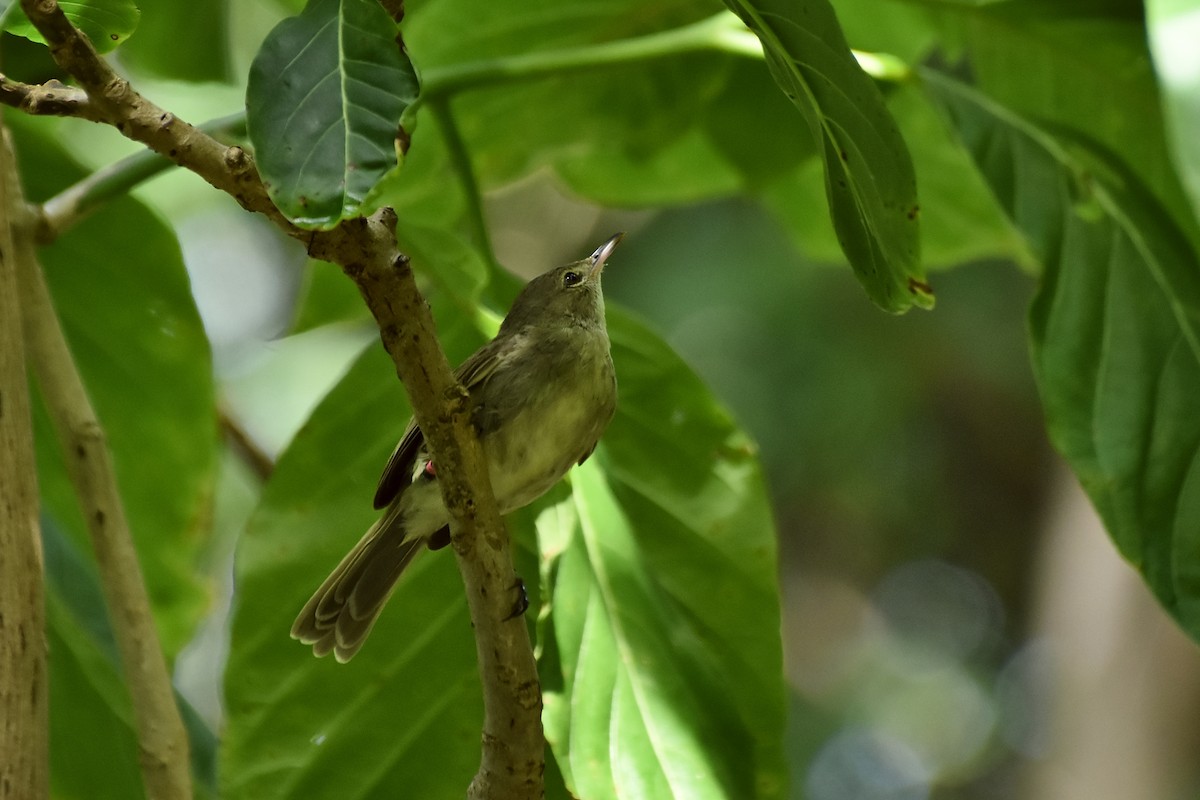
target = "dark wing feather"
x: 397, y: 474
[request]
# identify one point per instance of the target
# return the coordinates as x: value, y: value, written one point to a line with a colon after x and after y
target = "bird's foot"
x: 522, y: 603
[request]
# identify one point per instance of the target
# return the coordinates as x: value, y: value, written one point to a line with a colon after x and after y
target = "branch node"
x: 236, y: 160
x: 116, y: 90
x: 388, y: 218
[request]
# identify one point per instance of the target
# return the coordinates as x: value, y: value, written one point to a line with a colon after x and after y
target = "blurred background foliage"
x: 947, y: 631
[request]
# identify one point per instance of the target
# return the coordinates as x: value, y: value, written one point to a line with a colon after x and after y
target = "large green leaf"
x: 300, y: 727
x: 869, y: 176
x: 1115, y: 332
x: 107, y: 23
x: 1174, y: 27
x: 662, y: 653
x: 324, y: 101
x: 120, y: 287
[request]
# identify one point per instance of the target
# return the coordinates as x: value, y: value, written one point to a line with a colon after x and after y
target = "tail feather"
x: 342, y: 611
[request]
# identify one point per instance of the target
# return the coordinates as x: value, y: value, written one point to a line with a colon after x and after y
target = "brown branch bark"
x: 24, y: 718
x: 52, y: 99
x: 162, y: 740
x: 513, y: 746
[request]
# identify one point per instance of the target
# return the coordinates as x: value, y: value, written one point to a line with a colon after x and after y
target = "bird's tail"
x: 341, y: 613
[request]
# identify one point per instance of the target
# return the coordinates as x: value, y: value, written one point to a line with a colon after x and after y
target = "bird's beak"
x: 602, y: 253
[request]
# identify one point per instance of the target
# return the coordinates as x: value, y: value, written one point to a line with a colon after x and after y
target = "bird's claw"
x: 522, y: 604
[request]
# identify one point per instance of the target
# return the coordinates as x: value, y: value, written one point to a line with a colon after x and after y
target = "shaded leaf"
x: 299, y: 727
x: 869, y: 178
x: 325, y: 96
x: 960, y: 220
x: 95, y: 752
x: 1115, y: 332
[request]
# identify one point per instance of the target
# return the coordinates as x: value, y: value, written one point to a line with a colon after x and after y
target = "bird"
x: 540, y: 394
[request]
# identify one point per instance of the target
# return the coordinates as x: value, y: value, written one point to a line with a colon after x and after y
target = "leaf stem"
x: 460, y: 162
x: 722, y: 32
x: 75, y: 202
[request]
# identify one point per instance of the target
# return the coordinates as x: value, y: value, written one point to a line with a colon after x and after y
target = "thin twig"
x: 52, y: 98
x: 75, y: 202
x: 460, y: 161
x: 24, y: 719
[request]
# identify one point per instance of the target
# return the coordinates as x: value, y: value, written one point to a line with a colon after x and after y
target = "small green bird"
x: 540, y: 394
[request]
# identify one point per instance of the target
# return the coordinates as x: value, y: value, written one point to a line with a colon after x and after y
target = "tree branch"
x: 80, y: 199
x: 513, y: 756
x: 24, y: 719
x: 162, y: 740
x: 52, y: 98
x: 513, y: 745
x: 229, y: 169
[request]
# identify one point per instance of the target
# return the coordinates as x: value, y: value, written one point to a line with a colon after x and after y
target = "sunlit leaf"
x: 662, y: 672
x: 869, y: 176
x: 1093, y: 72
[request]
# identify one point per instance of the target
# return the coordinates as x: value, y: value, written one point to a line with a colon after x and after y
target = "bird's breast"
x: 557, y: 424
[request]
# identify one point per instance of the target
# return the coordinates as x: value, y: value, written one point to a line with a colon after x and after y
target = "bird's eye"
x: 571, y: 278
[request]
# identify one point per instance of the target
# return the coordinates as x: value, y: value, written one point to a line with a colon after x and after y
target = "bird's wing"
x: 397, y: 474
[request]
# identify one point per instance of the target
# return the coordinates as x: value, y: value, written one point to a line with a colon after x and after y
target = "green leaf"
x: 869, y: 176
x: 663, y: 669
x: 95, y: 752
x: 299, y: 727
x: 201, y: 55
x: 107, y: 23
x: 1080, y: 52
x: 124, y: 298
x: 1174, y: 28
x: 1115, y: 332
x: 652, y: 119
x: 324, y: 101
